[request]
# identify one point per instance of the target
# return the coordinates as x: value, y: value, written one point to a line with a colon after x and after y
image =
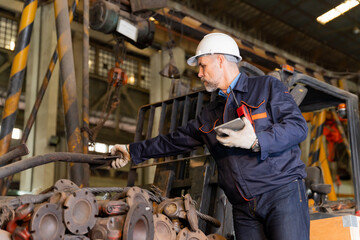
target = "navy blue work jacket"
x: 242, y: 174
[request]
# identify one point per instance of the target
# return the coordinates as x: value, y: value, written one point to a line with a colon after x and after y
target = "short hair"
x: 231, y: 58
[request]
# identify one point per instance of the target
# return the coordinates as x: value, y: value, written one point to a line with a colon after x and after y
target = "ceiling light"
x: 337, y: 11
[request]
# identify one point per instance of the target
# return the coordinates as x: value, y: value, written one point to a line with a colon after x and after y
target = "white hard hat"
x: 216, y: 43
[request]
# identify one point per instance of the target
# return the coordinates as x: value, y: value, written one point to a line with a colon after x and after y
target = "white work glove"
x: 122, y: 150
x: 243, y: 138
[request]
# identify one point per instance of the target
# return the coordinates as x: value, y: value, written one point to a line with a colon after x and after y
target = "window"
x: 8, y: 33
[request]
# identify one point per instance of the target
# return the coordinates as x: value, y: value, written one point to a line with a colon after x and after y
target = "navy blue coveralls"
x: 243, y: 174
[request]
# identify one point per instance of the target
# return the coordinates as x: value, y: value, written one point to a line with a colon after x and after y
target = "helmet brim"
x: 192, y: 61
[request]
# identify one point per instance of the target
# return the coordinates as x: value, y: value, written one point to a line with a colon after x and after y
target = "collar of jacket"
x: 242, y: 84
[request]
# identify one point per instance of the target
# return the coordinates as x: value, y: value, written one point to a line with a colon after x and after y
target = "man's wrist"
x: 255, y: 147
x: 127, y: 147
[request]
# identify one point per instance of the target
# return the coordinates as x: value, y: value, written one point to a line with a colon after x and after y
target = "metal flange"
x: 80, y: 209
x: 47, y: 222
x: 163, y: 227
x: 65, y: 185
x: 186, y: 234
x: 191, y: 213
x: 135, y: 195
x: 139, y: 223
x: 215, y: 236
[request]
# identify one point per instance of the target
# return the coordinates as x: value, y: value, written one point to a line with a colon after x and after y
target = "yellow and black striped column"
x: 17, y: 74
x: 44, y: 84
x: 68, y: 88
x: 317, y: 126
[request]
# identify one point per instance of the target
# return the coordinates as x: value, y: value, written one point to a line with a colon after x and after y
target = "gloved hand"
x: 119, y: 149
x: 243, y: 138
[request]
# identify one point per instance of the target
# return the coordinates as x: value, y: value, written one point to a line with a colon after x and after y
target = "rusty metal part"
x: 47, y: 222
x: 21, y: 233
x: 215, y: 236
x: 105, y: 189
x: 186, y: 234
x: 99, y: 232
x: 191, y: 212
x: 27, y: 163
x: 44, y: 85
x: 139, y: 223
x: 58, y: 198
x: 108, y: 228
x: 20, y: 213
x: 75, y: 237
x: 80, y: 209
x: 17, y: 152
x: 175, y: 209
x: 177, y: 225
x: 85, y: 82
x: 135, y: 195
x: 14, y: 203
x: 65, y: 185
x: 108, y: 207
x: 163, y: 227
x: 160, y: 207
x: 6, y: 214
x: 210, y: 219
x: 77, y: 171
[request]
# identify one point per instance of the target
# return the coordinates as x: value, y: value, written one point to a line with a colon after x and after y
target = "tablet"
x: 235, y: 124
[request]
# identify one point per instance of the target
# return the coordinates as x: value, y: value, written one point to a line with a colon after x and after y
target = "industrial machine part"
x: 108, y: 207
x: 173, y: 208
x: 215, y: 236
x: 58, y: 198
x: 186, y: 234
x: 6, y: 214
x: 108, y: 18
x: 65, y: 211
x: 135, y: 195
x: 191, y: 213
x: 92, y: 159
x: 108, y: 228
x: 21, y: 233
x: 141, y: 5
x: 177, y: 225
x: 75, y: 237
x: 20, y: 214
x: 139, y: 223
x: 164, y: 229
x: 65, y: 185
x: 47, y: 222
x: 80, y: 210
x: 17, y: 152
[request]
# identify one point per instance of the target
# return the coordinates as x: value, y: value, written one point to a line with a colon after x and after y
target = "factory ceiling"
x: 291, y: 25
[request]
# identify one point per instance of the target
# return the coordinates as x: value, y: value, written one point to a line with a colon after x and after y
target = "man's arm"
x: 183, y: 139
x: 289, y: 128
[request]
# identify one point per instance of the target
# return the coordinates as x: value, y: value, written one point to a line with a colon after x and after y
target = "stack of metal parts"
x: 67, y: 212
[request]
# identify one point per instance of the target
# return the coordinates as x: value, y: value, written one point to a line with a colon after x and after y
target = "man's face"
x: 210, y: 72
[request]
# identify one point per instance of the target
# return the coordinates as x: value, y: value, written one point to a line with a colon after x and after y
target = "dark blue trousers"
x: 281, y: 214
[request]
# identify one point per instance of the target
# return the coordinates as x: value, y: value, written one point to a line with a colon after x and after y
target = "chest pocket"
x: 259, y: 115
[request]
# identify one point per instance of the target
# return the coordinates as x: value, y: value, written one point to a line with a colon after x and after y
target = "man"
x: 259, y: 166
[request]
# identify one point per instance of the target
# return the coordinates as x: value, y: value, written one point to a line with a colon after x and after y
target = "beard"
x: 210, y: 87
